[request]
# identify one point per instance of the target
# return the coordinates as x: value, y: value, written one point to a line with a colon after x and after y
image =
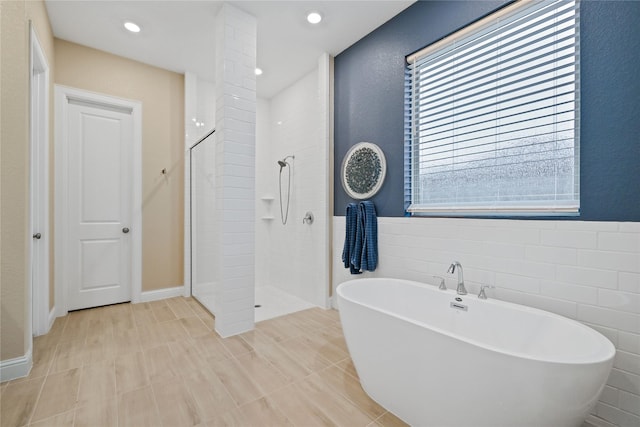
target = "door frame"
x: 64, y: 95
x: 39, y: 186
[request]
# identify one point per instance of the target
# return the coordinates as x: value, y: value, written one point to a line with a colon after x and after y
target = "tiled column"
x: 235, y: 169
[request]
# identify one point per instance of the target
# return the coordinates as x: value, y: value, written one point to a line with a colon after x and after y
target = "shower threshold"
x: 273, y: 302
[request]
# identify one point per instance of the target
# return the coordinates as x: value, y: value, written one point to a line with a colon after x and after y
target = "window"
x: 493, y: 115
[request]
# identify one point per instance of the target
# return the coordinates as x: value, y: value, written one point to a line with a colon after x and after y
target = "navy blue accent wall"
x: 369, y: 100
x: 610, y: 111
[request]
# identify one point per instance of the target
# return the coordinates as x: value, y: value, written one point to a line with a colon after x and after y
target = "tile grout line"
x: 75, y: 404
x: 155, y: 400
x: 135, y: 323
x: 75, y: 414
x: 35, y: 405
x: 113, y: 372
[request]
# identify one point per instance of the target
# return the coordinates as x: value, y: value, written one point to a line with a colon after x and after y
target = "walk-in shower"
x: 284, y: 213
x: 293, y: 260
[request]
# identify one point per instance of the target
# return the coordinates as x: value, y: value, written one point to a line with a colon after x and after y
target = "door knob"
x: 125, y: 230
x: 37, y: 236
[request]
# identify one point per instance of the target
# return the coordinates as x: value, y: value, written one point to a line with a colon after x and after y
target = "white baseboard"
x: 159, y: 294
x: 15, y: 368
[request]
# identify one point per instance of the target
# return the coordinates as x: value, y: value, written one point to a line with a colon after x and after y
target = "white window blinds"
x: 493, y: 115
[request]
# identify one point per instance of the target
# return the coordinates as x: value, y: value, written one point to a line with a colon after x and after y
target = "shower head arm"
x: 283, y: 163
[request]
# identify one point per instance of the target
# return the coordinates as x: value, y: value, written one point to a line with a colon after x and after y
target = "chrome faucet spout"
x: 455, y: 265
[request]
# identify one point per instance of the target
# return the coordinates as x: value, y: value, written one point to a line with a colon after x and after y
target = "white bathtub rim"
x: 606, y: 356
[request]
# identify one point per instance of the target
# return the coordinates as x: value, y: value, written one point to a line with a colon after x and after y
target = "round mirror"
x: 363, y: 170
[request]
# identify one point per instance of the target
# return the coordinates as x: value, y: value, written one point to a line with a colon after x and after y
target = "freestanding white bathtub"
x: 434, y: 358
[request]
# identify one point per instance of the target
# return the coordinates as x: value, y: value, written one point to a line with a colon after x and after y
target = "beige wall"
x: 14, y: 166
x: 162, y: 95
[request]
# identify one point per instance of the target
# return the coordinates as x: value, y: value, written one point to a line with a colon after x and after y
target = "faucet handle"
x: 482, y: 295
x: 442, y: 286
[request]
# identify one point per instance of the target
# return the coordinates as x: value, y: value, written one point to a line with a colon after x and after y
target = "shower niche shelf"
x: 267, y: 199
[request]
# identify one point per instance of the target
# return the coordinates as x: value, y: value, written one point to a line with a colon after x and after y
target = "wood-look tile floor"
x: 162, y: 364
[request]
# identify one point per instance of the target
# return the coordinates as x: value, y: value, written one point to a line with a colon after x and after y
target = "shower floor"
x: 274, y: 302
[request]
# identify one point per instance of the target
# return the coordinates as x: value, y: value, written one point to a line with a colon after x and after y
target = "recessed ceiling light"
x: 132, y: 27
x: 258, y: 71
x: 314, y: 18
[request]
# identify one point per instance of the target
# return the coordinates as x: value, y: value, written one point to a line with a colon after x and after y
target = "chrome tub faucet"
x: 455, y: 265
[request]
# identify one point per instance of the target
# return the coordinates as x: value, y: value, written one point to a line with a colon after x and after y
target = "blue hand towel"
x: 356, y: 253
x: 361, y: 238
x: 368, y: 233
x: 350, y: 237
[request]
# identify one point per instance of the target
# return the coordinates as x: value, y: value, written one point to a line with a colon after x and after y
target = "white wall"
x: 294, y: 257
x: 588, y: 271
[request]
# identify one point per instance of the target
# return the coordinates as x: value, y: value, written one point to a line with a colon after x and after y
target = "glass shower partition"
x: 203, y: 224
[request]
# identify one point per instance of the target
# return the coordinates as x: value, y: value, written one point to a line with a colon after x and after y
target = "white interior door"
x: 39, y: 173
x: 99, y: 211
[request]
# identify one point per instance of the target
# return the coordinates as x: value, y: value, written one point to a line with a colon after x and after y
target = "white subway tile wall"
x: 235, y: 115
x: 294, y: 257
x: 587, y: 271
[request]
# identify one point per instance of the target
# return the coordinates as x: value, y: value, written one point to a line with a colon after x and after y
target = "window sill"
x: 496, y: 212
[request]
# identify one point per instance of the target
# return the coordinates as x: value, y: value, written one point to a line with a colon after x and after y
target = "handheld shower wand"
x: 283, y: 164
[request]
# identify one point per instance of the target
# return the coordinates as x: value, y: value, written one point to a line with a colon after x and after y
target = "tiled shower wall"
x: 588, y: 271
x: 294, y: 257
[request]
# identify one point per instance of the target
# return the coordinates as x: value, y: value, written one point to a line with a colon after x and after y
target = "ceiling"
x: 179, y: 35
